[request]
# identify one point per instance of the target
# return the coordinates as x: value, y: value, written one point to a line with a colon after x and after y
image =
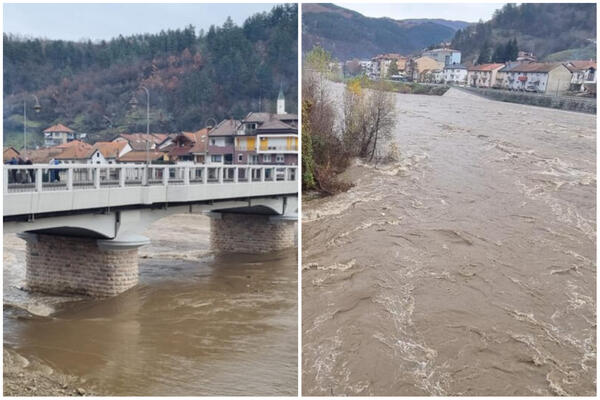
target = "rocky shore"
x: 23, y: 377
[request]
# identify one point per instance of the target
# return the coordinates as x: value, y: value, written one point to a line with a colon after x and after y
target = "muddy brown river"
x: 467, y: 268
x: 197, y: 324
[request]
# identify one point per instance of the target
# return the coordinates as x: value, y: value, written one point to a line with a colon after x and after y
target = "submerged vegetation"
x: 402, y: 87
x: 328, y: 146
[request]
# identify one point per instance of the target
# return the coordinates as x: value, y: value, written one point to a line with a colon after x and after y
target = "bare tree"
x: 353, y: 67
x: 382, y: 121
x: 369, y: 117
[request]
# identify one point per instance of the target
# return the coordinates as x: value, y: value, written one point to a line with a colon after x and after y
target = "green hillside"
x: 546, y: 29
x: 192, y: 76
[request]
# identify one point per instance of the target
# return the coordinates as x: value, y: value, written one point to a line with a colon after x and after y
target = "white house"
x: 583, y: 75
x: 537, y: 77
x: 58, y: 134
x: 380, y: 64
x: 365, y: 66
x: 445, y: 56
x: 455, y: 74
x: 107, y: 152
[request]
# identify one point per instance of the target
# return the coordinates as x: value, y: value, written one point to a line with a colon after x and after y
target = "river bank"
x: 23, y: 377
x: 563, y: 102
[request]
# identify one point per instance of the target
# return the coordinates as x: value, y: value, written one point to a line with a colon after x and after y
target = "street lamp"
x: 133, y: 102
x: 37, y: 109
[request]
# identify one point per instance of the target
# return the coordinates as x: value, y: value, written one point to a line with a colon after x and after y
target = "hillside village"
x: 259, y: 138
x: 444, y: 66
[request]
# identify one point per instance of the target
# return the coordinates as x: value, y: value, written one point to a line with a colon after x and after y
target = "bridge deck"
x: 38, y: 189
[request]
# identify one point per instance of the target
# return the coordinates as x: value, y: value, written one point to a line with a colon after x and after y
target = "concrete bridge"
x: 83, y: 223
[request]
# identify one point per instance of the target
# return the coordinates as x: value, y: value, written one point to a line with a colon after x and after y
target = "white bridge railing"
x: 69, y: 177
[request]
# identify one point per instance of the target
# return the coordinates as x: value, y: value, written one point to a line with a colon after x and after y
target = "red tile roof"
x: 227, y: 127
x: 58, y: 128
x: 486, y: 67
x: 140, y: 156
x: 137, y: 141
x: 579, y: 65
x: 8, y: 153
x: 533, y: 67
x: 201, y: 143
x: 73, y: 150
x: 108, y: 149
x: 43, y: 155
x: 274, y: 124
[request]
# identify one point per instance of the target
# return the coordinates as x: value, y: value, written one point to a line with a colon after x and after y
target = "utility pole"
x: 37, y: 109
x: 133, y: 103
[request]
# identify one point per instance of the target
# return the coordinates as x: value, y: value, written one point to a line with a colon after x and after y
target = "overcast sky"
x: 470, y: 12
x: 105, y: 21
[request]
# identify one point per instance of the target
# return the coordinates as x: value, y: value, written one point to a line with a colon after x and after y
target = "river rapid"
x: 467, y: 268
x: 197, y: 324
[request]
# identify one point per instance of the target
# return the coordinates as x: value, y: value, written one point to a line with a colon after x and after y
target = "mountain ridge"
x: 349, y: 34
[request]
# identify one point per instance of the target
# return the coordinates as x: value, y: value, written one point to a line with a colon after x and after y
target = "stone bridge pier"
x: 81, y: 265
x: 75, y: 255
x: 260, y: 226
x: 251, y: 233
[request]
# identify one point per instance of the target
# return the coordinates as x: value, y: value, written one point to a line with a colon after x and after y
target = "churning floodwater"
x: 197, y: 324
x: 467, y: 268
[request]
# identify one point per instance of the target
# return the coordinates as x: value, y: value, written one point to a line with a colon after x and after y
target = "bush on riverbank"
x: 368, y: 119
x: 400, y: 87
x: 323, y: 153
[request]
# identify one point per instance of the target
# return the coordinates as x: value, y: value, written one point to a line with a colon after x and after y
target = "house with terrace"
x: 221, y: 141
x: 455, y: 74
x: 551, y: 78
x: 188, y: 147
x: 422, y: 69
x: 268, y: 139
x: 483, y: 75
x: 583, y: 78
x: 58, y: 134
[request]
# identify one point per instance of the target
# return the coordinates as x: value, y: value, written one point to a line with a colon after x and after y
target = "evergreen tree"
x: 512, y: 50
x: 499, y: 55
x: 484, y: 53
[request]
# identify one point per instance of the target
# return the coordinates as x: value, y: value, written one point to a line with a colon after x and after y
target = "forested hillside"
x: 551, y: 31
x: 348, y: 34
x: 192, y: 77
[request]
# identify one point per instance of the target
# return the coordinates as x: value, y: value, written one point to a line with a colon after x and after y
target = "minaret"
x: 281, y: 101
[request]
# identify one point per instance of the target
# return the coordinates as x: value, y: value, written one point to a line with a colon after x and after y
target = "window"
x: 266, y: 158
x: 240, y: 157
x: 215, y: 158
x: 279, y: 158
x: 213, y: 142
x: 254, y: 159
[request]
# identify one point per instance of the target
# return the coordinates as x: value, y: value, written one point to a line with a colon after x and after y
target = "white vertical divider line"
x: 299, y: 178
